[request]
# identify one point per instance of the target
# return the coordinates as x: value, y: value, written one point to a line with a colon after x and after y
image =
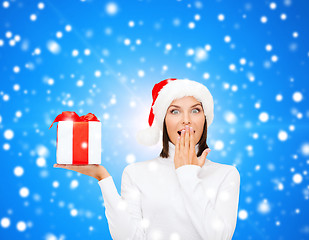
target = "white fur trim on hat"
x: 149, y: 136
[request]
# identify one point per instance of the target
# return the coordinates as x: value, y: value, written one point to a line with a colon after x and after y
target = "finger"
x: 187, y: 138
x: 67, y: 166
x: 192, y: 145
x: 182, y: 140
x: 207, y: 151
x: 74, y: 165
x: 204, y: 156
x: 60, y: 165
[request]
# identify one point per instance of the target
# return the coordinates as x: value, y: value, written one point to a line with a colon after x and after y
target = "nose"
x: 186, y: 119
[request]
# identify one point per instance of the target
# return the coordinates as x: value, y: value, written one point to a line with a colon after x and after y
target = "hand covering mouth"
x: 179, y: 132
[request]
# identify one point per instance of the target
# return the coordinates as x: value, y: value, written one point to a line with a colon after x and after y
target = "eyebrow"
x: 191, y: 106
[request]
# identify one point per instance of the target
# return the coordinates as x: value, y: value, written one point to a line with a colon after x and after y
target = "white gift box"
x: 78, y: 142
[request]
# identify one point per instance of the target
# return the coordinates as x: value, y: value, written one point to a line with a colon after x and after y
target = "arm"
x: 216, y: 218
x: 123, y: 212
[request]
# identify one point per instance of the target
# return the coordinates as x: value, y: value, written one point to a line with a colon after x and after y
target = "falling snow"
x: 105, y: 59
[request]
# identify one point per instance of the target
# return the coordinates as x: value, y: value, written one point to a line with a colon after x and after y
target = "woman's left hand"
x: 185, y: 151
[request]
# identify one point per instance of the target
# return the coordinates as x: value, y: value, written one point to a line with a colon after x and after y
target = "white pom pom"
x: 149, y: 136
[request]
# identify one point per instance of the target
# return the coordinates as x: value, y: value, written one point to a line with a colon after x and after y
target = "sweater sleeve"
x: 123, y: 212
x: 213, y: 218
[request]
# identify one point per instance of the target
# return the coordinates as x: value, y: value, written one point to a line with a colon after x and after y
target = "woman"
x: 180, y: 194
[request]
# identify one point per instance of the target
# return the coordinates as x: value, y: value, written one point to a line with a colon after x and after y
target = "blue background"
x: 38, y: 83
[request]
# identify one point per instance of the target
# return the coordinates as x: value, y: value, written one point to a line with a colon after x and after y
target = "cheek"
x: 170, y: 123
x: 169, y: 126
x: 201, y: 124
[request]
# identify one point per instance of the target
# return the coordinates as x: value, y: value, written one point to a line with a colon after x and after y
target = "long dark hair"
x: 202, y: 145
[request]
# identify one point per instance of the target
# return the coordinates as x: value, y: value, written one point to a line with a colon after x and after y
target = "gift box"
x: 78, y: 138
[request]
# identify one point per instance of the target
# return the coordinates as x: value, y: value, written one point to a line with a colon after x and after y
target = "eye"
x: 198, y: 110
x: 174, y: 110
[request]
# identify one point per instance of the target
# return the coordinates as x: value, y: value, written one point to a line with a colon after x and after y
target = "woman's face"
x: 182, y: 112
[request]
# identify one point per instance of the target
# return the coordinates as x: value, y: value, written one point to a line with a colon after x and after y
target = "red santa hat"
x: 163, y: 93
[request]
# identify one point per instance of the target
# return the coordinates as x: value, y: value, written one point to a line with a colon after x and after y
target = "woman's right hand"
x: 93, y: 170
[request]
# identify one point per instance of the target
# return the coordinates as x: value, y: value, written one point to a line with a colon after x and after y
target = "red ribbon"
x: 72, y: 116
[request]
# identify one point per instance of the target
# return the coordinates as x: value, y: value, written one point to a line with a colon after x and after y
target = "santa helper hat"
x: 163, y: 93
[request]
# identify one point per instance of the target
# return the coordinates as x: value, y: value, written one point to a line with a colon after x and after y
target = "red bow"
x: 72, y: 116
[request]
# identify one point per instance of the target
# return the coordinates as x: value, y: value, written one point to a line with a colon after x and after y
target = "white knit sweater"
x: 159, y: 202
